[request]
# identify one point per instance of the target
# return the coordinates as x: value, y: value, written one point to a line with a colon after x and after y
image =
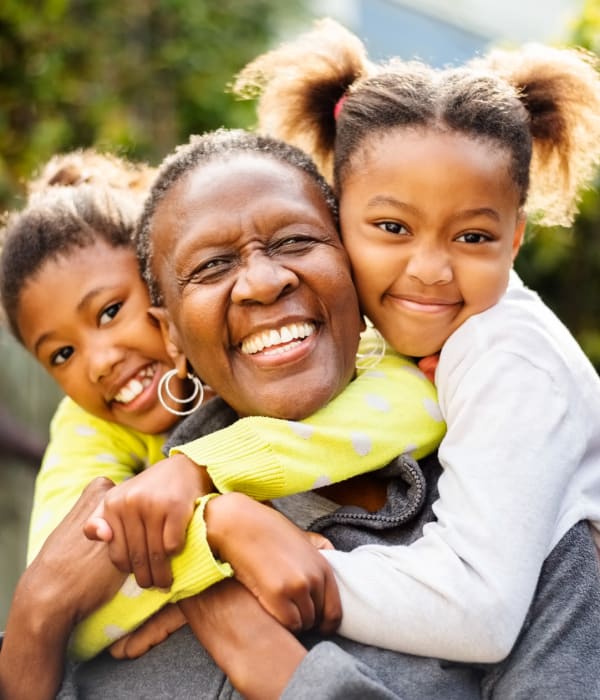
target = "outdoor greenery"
x: 136, y: 77
x: 139, y: 77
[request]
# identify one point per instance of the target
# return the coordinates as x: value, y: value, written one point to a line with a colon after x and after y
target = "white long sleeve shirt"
x: 521, y: 466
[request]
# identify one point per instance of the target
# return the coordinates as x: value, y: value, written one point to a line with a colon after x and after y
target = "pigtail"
x: 91, y: 167
x: 560, y: 89
x: 299, y: 85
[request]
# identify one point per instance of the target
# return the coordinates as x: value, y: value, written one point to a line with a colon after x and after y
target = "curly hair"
x: 541, y: 104
x: 77, y: 199
x: 222, y: 144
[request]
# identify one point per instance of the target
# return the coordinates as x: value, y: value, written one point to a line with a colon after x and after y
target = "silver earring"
x: 372, y: 343
x: 197, y: 392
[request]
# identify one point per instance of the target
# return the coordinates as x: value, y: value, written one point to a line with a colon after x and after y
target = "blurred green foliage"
x: 563, y: 265
x: 139, y: 77
x: 136, y: 77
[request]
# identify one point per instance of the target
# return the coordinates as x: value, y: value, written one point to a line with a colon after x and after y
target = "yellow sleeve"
x: 81, y: 448
x: 194, y: 570
x: 386, y: 411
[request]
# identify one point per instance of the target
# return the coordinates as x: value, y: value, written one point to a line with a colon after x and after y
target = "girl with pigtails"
x: 436, y: 171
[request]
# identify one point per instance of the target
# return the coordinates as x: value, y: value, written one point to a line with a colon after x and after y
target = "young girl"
x: 73, y: 295
x: 433, y: 170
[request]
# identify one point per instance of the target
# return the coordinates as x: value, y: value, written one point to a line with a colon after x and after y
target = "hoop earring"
x: 373, y: 343
x: 164, y: 384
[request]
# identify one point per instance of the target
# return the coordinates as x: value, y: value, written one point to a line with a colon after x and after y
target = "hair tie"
x: 338, y: 107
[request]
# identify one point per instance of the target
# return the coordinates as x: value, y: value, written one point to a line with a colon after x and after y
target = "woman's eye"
x: 294, y: 243
x: 209, y: 271
x: 393, y: 227
x: 473, y: 237
x: 110, y: 312
x: 61, y: 356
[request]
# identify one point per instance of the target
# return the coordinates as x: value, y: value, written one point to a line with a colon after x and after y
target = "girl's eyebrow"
x: 477, y: 211
x: 87, y: 299
x: 378, y: 200
x: 387, y: 199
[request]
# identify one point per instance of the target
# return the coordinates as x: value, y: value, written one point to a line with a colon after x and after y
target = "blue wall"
x: 389, y: 29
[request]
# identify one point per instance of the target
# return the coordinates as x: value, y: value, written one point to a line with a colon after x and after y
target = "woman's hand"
x: 150, y: 634
x: 276, y: 561
x: 144, y: 519
x: 68, y: 579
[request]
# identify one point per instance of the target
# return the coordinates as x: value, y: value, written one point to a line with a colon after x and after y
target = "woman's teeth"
x: 269, y: 339
x: 136, y: 385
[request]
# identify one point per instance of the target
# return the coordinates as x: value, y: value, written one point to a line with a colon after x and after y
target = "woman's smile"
x: 263, y: 285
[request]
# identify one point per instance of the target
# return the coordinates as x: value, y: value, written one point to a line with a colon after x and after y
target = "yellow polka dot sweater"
x: 388, y: 410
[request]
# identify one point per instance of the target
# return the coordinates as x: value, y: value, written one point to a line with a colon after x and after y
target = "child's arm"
x: 388, y: 410
x: 82, y: 448
x: 462, y: 590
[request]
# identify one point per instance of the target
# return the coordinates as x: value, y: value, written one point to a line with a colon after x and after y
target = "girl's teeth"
x: 135, y: 386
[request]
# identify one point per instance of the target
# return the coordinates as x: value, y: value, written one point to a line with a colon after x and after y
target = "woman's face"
x: 84, y: 316
x: 257, y: 285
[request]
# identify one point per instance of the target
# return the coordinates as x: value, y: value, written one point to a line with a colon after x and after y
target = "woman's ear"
x: 170, y: 339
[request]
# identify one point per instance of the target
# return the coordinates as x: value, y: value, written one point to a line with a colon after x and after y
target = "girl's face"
x: 257, y: 285
x: 431, y: 223
x: 85, y: 317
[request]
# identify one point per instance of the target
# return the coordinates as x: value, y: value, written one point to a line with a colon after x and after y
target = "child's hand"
x: 144, y: 519
x: 154, y: 631
x: 276, y: 561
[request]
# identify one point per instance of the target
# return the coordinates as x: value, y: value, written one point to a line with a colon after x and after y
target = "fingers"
x: 150, y: 634
x: 332, y: 604
x: 158, y: 558
x: 137, y: 542
x: 319, y: 541
x: 96, y: 527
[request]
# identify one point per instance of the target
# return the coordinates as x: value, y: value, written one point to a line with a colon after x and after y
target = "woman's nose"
x: 262, y: 279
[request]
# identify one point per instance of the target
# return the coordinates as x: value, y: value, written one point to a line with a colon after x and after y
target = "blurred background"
x: 138, y: 78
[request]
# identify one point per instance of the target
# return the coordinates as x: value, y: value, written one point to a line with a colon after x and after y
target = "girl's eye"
x: 110, y: 312
x: 393, y: 227
x: 61, y: 356
x: 474, y: 237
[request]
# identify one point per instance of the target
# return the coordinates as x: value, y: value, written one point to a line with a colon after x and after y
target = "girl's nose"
x: 262, y: 279
x: 102, y: 360
x: 430, y: 264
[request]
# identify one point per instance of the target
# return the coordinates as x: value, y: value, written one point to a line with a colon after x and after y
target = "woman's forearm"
x: 37, y: 632
x: 257, y: 654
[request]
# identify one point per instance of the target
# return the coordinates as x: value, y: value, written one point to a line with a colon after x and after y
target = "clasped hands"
x: 144, y: 522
